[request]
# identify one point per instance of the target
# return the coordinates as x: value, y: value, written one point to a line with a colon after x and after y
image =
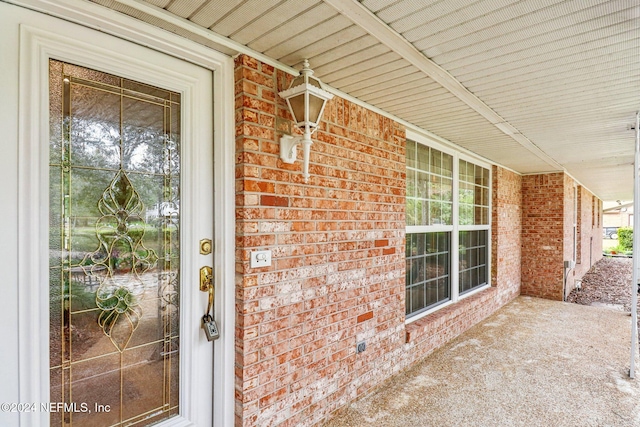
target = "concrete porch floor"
x: 533, y: 363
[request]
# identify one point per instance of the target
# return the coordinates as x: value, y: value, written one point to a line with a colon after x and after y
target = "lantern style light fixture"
x: 306, y: 98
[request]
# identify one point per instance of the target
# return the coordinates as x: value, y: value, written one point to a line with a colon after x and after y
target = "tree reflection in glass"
x: 114, y: 247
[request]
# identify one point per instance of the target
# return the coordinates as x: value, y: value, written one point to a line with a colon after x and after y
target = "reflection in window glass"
x: 428, y: 278
x: 473, y: 194
x: 429, y: 186
x: 473, y: 260
x: 436, y: 271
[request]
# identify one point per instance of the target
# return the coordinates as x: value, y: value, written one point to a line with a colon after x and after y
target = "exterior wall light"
x: 306, y: 98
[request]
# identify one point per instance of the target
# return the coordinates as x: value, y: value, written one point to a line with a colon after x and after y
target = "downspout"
x: 636, y: 251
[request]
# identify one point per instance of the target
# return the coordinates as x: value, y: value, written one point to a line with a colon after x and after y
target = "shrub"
x: 625, y: 238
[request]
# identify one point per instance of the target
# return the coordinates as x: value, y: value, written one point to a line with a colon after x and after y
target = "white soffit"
x: 344, y: 55
x: 533, y: 85
x: 564, y: 73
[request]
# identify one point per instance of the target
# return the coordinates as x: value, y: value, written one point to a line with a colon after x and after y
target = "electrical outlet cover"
x: 260, y: 259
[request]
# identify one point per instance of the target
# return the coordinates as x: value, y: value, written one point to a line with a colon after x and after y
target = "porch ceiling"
x: 534, y: 85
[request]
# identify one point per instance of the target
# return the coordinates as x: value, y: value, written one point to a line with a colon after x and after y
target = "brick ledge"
x: 442, y: 320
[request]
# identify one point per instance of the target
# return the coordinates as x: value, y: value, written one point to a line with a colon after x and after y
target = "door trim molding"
x: 35, y: 48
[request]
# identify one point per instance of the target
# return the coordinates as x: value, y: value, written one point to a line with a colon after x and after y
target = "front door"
x: 114, y: 193
x: 117, y: 247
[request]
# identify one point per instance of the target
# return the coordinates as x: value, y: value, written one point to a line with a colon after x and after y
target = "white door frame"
x: 35, y: 47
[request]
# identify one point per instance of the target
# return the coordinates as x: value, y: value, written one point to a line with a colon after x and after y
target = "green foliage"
x: 75, y: 292
x: 617, y: 251
x: 625, y: 238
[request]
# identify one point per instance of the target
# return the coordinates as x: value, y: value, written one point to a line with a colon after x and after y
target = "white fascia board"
x: 616, y: 207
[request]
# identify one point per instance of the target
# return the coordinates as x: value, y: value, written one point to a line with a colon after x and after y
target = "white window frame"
x: 486, y: 227
x: 455, y: 228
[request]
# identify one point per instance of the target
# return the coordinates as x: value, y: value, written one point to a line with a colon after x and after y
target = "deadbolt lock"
x: 205, y: 246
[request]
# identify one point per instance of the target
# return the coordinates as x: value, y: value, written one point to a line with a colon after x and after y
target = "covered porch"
x: 460, y: 165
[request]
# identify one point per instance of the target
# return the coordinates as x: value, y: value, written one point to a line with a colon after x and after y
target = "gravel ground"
x: 522, y: 367
x: 533, y: 363
x: 607, y: 284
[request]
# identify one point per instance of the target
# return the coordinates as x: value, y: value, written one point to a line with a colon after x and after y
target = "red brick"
x: 258, y: 186
x: 547, y: 237
x: 274, y: 201
x: 366, y: 316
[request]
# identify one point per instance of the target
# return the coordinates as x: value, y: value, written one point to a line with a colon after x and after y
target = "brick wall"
x: 549, y: 212
x: 338, y: 259
x: 589, y: 236
x: 543, y: 235
x: 338, y: 256
x: 506, y: 236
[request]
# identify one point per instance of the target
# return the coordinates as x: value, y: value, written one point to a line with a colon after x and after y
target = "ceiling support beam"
x: 361, y: 16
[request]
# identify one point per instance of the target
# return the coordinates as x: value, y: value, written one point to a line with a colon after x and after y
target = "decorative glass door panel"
x: 113, y: 248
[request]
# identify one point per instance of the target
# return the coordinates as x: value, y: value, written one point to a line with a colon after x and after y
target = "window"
x: 472, y: 260
x: 578, y: 224
x: 473, y: 194
x: 428, y: 278
x: 473, y: 205
x: 429, y: 186
x: 448, y: 207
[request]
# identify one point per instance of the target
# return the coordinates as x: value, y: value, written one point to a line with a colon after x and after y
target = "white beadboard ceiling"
x: 534, y: 85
